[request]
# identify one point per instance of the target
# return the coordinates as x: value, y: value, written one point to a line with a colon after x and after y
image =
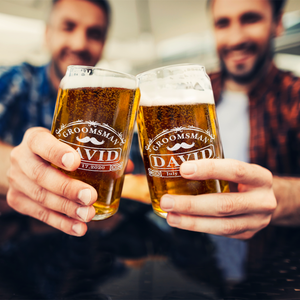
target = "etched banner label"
x: 96, y: 143
x: 167, y: 150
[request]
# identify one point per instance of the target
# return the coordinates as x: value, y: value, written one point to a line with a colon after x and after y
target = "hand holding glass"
x: 177, y: 122
x: 95, y: 114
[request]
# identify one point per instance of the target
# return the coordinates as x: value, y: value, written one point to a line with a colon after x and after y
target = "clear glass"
x: 95, y: 114
x: 177, y: 122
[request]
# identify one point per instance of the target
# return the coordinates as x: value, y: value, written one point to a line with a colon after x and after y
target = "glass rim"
x: 138, y: 76
x: 102, y: 69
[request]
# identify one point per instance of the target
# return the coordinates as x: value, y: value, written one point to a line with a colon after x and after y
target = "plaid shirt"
x: 274, y: 106
x: 27, y: 99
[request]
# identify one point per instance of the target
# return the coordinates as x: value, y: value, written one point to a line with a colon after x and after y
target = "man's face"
x: 75, y: 34
x: 244, y: 30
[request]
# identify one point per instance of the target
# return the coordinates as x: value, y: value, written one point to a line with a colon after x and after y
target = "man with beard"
x: 258, y: 108
x: 42, y: 192
x: 75, y: 35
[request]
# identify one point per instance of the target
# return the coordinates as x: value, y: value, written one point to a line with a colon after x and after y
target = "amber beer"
x: 177, y: 122
x: 95, y: 114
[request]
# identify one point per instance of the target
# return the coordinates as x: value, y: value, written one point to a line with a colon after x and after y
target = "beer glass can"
x: 177, y: 122
x: 95, y: 114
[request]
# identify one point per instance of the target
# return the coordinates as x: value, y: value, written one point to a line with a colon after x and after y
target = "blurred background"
x: 144, y: 34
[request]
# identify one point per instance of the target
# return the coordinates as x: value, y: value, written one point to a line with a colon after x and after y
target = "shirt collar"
x: 52, y: 90
x: 262, y: 86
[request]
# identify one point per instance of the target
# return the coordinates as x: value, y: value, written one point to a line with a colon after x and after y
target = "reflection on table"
x: 136, y: 255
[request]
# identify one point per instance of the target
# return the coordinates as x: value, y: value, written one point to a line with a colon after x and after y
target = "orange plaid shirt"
x: 274, y: 107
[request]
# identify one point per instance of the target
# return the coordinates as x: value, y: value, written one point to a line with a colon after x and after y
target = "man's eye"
x: 95, y: 34
x: 222, y: 23
x: 68, y: 27
x: 251, y: 18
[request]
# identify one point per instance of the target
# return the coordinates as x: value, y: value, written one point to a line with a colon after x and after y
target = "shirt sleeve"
x: 295, y: 112
x: 13, y: 83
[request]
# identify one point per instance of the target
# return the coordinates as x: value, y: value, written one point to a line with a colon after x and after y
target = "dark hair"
x: 103, y: 4
x: 277, y: 6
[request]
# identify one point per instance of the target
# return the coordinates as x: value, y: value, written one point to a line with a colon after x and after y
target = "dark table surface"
x: 136, y: 255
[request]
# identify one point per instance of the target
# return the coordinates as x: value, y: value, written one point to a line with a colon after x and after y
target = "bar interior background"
x: 144, y: 34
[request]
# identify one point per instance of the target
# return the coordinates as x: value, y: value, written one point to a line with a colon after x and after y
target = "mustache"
x: 246, y: 46
x: 89, y: 139
x: 81, y: 55
x: 182, y: 145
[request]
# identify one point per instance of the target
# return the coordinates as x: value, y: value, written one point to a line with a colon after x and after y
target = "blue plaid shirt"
x: 27, y: 99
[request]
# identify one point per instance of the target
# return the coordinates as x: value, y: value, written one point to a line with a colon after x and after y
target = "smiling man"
x: 258, y: 109
x: 244, y: 32
x: 75, y: 35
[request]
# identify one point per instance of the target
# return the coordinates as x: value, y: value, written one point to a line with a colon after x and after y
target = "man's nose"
x: 236, y: 35
x: 78, y: 41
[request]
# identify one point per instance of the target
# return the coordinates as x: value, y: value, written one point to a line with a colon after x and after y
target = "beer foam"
x: 77, y: 82
x: 155, y: 97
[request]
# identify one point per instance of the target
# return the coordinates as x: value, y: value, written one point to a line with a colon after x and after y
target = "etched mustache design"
x: 182, y: 145
x: 88, y: 139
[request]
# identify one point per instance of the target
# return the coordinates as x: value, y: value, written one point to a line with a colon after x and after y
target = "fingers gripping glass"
x: 177, y: 122
x: 95, y: 114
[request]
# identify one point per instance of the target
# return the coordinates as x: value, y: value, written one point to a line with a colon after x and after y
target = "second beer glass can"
x: 177, y: 122
x: 95, y: 114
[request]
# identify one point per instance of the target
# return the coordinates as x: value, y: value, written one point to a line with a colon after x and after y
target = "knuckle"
x: 11, y: 199
x: 61, y: 225
x: 30, y: 136
x: 52, y: 152
x: 230, y: 227
x: 269, y: 178
x: 38, y: 172
x: 212, y: 168
x: 43, y: 215
x: 225, y: 205
x: 14, y: 154
x: 246, y: 235
x: 188, y: 205
x: 271, y: 206
x: 64, y: 208
x: 265, y: 177
x: 239, y: 170
x: 10, y: 177
x: 65, y: 186
x: 265, y: 222
x: 39, y: 194
x: 191, y: 224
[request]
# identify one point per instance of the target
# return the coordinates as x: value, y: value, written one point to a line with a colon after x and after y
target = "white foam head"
x: 151, y: 95
x: 176, y: 84
x: 101, y: 78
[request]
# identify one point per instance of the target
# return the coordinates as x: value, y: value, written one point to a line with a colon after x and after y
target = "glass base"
x: 102, y: 217
x: 161, y: 214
